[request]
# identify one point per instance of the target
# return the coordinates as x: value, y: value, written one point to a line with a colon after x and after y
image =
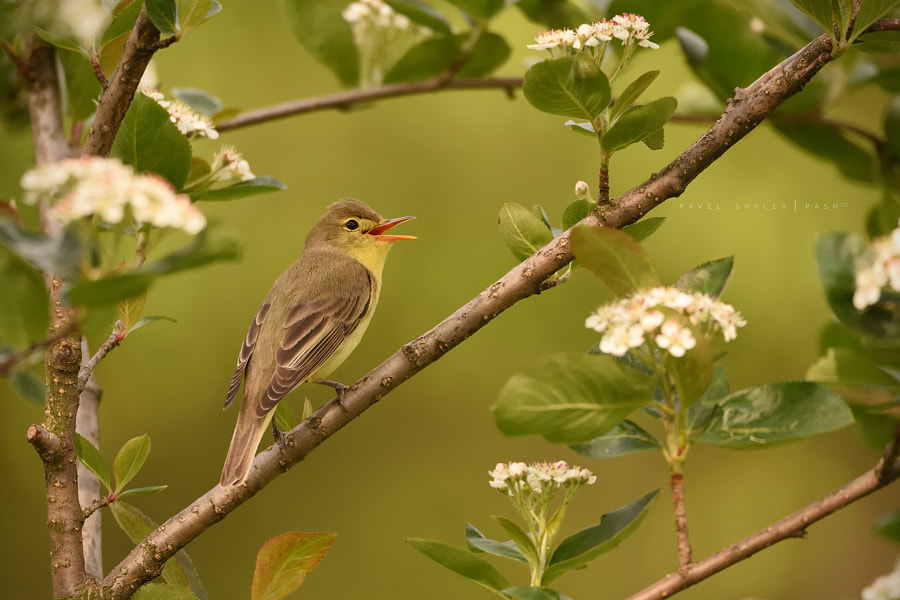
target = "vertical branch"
x: 87, y: 423
x: 681, y: 526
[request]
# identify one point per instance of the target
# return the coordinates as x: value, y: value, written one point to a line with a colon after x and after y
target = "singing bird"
x: 312, y: 319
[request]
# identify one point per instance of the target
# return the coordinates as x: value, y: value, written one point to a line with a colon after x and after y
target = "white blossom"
x: 886, y: 587
x: 186, y: 119
x: 229, y: 164
x: 878, y: 269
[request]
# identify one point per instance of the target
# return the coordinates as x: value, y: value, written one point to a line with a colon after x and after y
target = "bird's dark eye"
x: 351, y: 225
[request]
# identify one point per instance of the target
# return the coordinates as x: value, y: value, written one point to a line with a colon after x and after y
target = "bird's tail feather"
x: 248, y: 432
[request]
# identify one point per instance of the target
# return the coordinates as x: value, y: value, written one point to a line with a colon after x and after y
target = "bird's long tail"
x: 248, y: 432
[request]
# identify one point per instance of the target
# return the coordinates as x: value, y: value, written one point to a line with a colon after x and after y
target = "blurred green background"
x: 416, y: 464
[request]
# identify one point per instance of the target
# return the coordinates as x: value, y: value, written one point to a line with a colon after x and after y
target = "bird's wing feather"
x: 246, y: 351
x: 313, y: 330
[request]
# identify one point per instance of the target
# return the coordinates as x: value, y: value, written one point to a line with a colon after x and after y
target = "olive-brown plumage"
x: 311, y: 320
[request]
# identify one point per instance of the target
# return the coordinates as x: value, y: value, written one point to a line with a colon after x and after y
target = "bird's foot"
x: 339, y: 388
x: 280, y: 437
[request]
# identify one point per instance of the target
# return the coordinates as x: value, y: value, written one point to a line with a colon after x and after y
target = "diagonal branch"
x: 743, y: 114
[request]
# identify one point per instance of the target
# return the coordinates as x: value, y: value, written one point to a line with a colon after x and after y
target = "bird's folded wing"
x: 246, y: 350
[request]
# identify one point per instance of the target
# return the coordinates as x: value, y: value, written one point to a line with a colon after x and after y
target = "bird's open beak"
x: 378, y: 230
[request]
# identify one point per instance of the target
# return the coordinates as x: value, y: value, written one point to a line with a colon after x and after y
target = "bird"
x: 311, y: 320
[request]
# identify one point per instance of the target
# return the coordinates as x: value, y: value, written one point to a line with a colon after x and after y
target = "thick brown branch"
x: 354, y: 98
x: 792, y: 526
x: 117, y: 96
x: 753, y: 105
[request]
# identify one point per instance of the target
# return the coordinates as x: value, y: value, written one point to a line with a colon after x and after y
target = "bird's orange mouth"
x: 378, y: 230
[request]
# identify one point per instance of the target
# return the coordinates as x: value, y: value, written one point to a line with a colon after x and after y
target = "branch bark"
x: 749, y: 107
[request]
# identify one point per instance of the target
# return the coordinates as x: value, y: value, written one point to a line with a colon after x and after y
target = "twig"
x: 353, y: 98
x: 676, y: 480
x: 87, y: 369
x: 792, y: 526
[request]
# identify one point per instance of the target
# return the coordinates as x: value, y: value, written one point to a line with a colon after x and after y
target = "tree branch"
x: 743, y: 113
x: 353, y: 98
x: 676, y: 480
x: 794, y: 525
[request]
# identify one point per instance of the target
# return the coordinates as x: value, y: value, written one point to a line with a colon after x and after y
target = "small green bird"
x: 312, y: 319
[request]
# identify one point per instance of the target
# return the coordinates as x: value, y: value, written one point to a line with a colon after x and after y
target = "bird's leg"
x: 338, y: 388
x: 280, y: 437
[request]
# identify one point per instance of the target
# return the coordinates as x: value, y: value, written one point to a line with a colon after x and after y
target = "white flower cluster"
x: 627, y: 323
x: 229, y: 165
x: 104, y: 186
x: 538, y: 478
x: 374, y: 13
x: 629, y: 28
x: 886, y: 587
x: 882, y: 269
x: 186, y: 119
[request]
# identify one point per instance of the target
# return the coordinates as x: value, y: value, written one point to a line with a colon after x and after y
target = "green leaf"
x: 192, y: 12
x: 212, y: 244
x: 200, y: 100
x: 285, y: 419
x: 24, y: 314
x: 533, y: 593
x: 320, y: 28
x: 60, y: 254
x: 644, y: 228
x: 892, y: 125
x: 571, y: 86
x: 28, y: 387
x: 284, y: 561
x: 478, y: 543
x: 776, y: 413
x: 147, y: 320
x: 844, y: 366
x: 522, y: 232
x: 121, y: 24
x: 639, y: 122
x: 692, y: 372
x: 163, y: 15
x: 702, y: 412
x: 576, y: 551
x: 150, y: 142
x: 615, y: 257
x: 656, y: 140
x: 60, y: 41
x: 709, y: 278
x: 577, y: 211
x: 524, y: 543
x: 143, y: 491
x: 428, y: 58
x: 571, y: 398
x: 423, y: 14
x: 625, y: 438
x: 888, y: 525
x: 882, y: 42
x: 488, y: 54
x: 555, y: 14
x: 163, y: 591
x: 259, y: 185
x: 130, y: 459
x: 179, y: 570
x: 461, y: 562
x: 130, y: 310
x: 82, y: 88
x: 631, y: 94
x: 90, y: 457
x: 480, y: 9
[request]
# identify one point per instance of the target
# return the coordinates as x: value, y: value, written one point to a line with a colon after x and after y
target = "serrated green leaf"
x: 488, y: 55
x: 130, y: 309
x: 709, y: 278
x: 284, y: 561
x: 533, y: 593
x: 28, y: 387
x: 639, y: 122
x: 644, y: 228
x: 478, y: 542
x: 163, y: 15
x: 571, y: 86
x: 631, y: 93
x: 150, y: 142
x: 522, y: 232
x: 142, y: 491
x: 776, y: 413
x: 90, y: 457
x: 845, y: 366
x: 571, y: 398
x: 524, y: 543
x: 462, y: 562
x: 259, y: 185
x: 577, y: 211
x: 625, y: 438
x: 576, y: 551
x: 121, y: 24
x: 320, y: 28
x: 163, y: 591
x: 130, y: 459
x: 428, y: 58
x: 615, y: 258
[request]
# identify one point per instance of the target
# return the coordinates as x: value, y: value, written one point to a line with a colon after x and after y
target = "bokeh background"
x: 416, y: 464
